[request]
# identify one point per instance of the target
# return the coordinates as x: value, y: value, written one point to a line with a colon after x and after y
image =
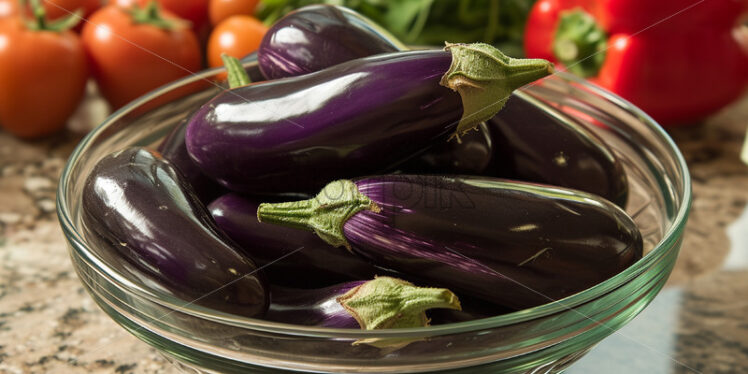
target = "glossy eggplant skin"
x: 472, y: 155
x: 520, y: 142
x: 174, y: 150
x: 532, y: 145
x: 252, y: 67
x: 525, y: 143
x: 140, y: 206
x: 317, y: 37
x: 296, y: 258
x: 173, y: 147
x: 514, y: 244
x: 315, y: 307
x: 298, y: 134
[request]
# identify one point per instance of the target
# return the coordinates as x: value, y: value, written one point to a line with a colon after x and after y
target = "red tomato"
x: 236, y: 36
x: 195, y: 11
x: 129, y: 59
x: 43, y: 75
x: 8, y: 8
x: 60, y: 8
x: 219, y: 10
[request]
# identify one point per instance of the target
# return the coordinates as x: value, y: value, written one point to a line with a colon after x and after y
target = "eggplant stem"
x: 485, y: 78
x: 237, y: 76
x: 387, y: 302
x: 324, y: 214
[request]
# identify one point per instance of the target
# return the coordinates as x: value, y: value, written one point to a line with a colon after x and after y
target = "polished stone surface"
x: 698, y: 324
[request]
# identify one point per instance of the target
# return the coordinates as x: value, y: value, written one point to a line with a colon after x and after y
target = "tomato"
x: 236, y: 36
x: 219, y: 10
x: 61, y: 8
x: 195, y: 11
x: 8, y: 8
x: 43, y: 75
x: 129, y: 59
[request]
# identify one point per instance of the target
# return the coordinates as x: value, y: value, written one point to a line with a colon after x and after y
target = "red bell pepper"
x: 678, y: 60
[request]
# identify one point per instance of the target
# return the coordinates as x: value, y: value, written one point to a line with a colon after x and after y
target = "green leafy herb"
x: 432, y: 22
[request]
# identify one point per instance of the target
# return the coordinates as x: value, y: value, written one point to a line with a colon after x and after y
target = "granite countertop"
x: 698, y: 323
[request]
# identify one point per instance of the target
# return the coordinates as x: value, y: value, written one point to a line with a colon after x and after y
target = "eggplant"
x: 522, y: 142
x: 173, y: 149
x: 296, y: 258
x: 252, y: 67
x: 471, y: 155
x: 535, y: 146
x: 383, y: 302
x: 514, y: 244
x: 316, y: 37
x: 359, y: 117
x: 143, y: 212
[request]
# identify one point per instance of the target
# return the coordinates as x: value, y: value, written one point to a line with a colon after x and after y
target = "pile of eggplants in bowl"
x: 354, y: 184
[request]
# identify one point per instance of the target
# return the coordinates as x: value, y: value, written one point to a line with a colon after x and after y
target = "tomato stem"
x: 39, y: 20
x: 151, y: 14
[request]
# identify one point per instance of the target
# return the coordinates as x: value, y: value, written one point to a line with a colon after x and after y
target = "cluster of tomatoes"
x: 50, y: 48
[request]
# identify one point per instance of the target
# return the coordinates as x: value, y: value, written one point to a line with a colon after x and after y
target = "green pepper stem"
x: 485, y: 78
x: 324, y: 214
x: 580, y: 43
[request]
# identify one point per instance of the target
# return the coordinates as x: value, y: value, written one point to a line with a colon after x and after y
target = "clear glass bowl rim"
x: 77, y: 243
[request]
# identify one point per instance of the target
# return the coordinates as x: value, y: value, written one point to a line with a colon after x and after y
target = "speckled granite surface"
x: 699, y: 323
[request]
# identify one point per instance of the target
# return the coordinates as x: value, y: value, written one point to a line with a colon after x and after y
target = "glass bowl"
x: 544, y: 339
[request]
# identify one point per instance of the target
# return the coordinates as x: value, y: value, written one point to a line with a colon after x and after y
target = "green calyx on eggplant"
x: 144, y: 216
x: 520, y: 142
x: 381, y: 303
x: 359, y: 117
x: 288, y: 251
x: 514, y: 244
x: 523, y: 142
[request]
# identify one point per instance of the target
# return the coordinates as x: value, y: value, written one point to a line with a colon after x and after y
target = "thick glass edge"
x: 76, y: 242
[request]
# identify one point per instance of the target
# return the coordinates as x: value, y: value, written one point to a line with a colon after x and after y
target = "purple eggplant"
x: 521, y: 141
x: 143, y: 212
x: 296, y: 258
x: 174, y: 150
x: 472, y: 155
x: 525, y: 143
x: 317, y: 37
x: 383, y: 302
x: 362, y: 116
x: 535, y: 146
x: 173, y: 147
x: 515, y: 244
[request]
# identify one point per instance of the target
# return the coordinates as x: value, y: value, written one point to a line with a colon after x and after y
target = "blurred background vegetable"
x: 43, y: 73
x: 676, y: 60
x: 193, y: 11
x: 431, y: 22
x: 219, y: 10
x: 236, y: 36
x: 8, y: 8
x: 63, y: 8
x: 134, y: 50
